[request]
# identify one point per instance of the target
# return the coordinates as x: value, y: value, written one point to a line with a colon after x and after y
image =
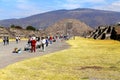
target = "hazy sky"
x: 23, y: 8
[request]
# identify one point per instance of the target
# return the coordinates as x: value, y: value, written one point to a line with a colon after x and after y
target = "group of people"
x: 16, y: 50
x: 5, y: 40
x: 38, y: 42
x: 33, y: 43
x: 17, y: 39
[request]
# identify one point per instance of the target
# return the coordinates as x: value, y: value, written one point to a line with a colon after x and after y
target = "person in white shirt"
x: 17, y: 39
x: 39, y: 43
x: 43, y: 41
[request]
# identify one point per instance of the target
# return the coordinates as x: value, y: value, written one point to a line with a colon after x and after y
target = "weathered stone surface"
x: 106, y: 32
x: 13, y: 32
x: 68, y: 26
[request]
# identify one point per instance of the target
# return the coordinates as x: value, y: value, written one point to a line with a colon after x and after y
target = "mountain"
x: 91, y: 17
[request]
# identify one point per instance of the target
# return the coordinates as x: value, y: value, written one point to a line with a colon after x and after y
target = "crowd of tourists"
x: 39, y: 43
x: 34, y: 43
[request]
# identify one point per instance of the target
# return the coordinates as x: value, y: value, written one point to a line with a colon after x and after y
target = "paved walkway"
x: 7, y: 57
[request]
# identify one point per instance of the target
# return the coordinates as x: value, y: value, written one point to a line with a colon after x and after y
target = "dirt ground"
x: 7, y: 57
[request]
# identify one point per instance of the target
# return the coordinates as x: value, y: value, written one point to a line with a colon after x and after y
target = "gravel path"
x: 7, y: 57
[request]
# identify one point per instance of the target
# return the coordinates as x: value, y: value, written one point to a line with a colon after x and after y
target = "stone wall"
x: 13, y: 32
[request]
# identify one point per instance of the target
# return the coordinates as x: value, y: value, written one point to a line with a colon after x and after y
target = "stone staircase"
x: 106, y: 32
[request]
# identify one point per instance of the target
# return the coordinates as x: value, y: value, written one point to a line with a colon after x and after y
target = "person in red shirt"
x: 33, y: 44
x: 50, y: 39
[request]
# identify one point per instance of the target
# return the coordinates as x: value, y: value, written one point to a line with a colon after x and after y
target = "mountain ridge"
x: 91, y: 17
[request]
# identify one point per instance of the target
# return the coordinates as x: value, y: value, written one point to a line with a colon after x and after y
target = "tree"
x: 12, y: 26
x: 18, y: 27
x: 30, y: 28
x: 1, y: 27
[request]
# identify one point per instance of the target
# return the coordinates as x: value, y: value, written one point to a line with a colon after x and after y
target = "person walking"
x: 7, y: 40
x: 17, y: 39
x: 29, y: 40
x: 47, y: 42
x: 43, y: 41
x: 50, y: 39
x: 4, y: 40
x: 33, y: 44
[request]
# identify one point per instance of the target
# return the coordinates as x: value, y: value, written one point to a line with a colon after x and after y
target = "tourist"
x: 43, y: 41
x: 7, y: 40
x: 4, y: 40
x: 16, y: 50
x: 17, y: 39
x: 29, y: 40
x: 38, y: 43
x: 33, y: 44
x: 47, y: 42
x: 50, y: 39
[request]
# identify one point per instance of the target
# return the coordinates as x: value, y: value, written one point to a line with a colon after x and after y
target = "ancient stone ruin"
x: 106, y: 32
x: 71, y: 27
x: 13, y: 32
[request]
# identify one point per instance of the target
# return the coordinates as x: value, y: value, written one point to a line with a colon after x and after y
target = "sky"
x: 10, y: 9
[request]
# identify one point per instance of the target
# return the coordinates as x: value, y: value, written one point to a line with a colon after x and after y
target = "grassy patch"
x: 87, y: 59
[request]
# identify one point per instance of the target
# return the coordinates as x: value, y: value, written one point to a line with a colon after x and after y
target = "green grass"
x: 86, y: 59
